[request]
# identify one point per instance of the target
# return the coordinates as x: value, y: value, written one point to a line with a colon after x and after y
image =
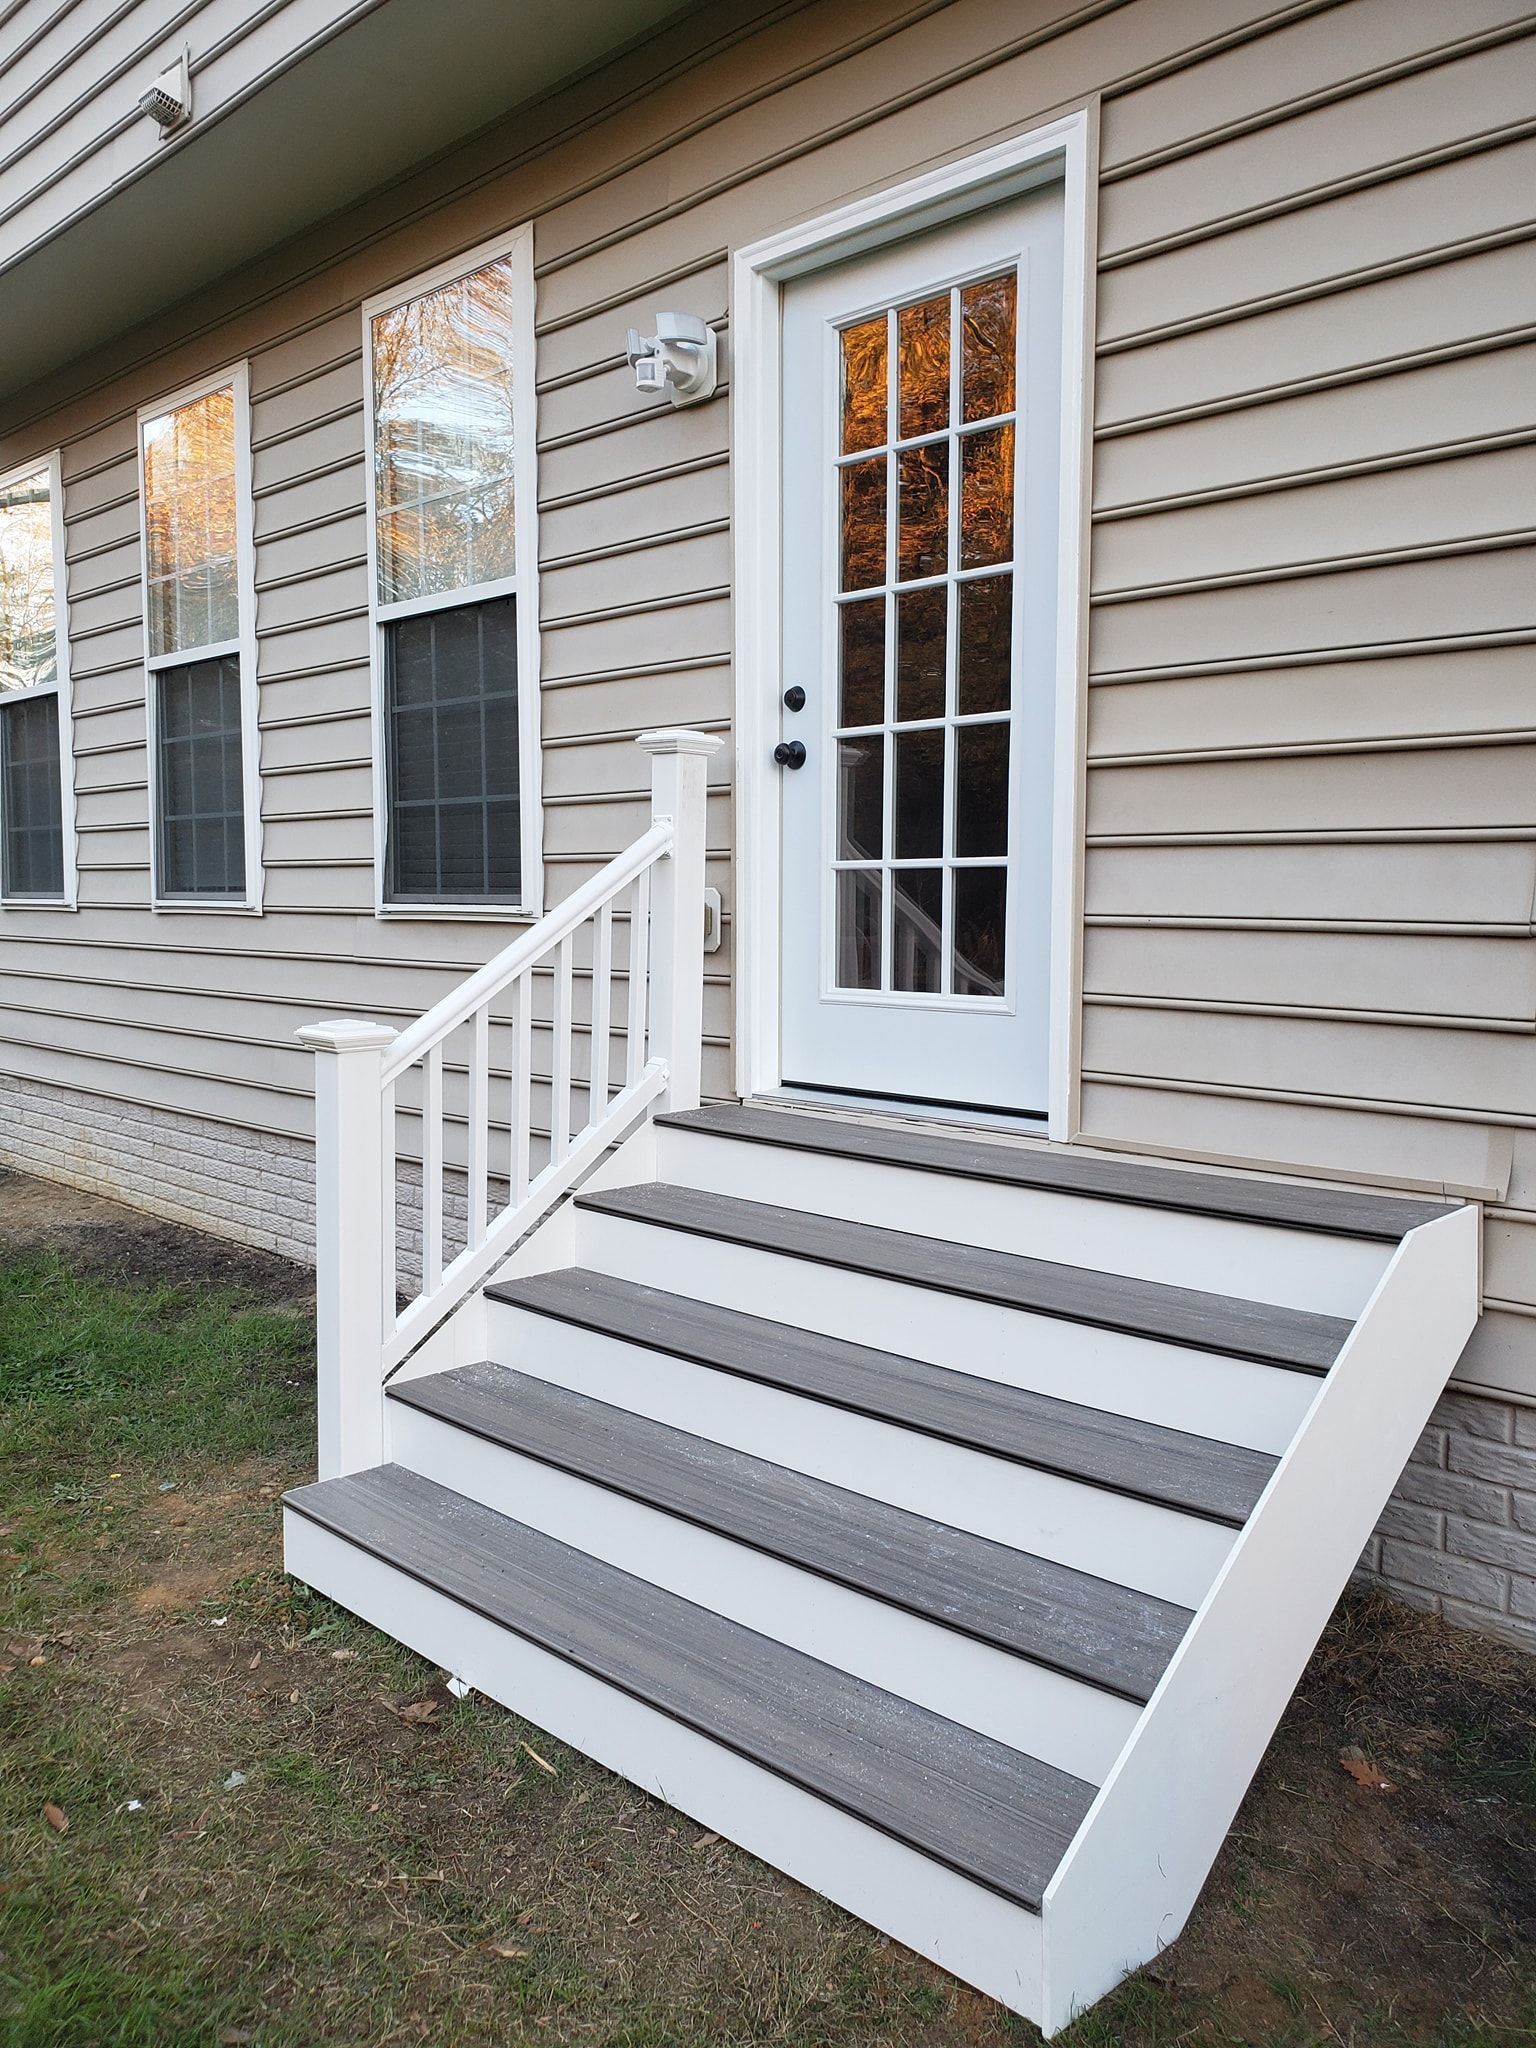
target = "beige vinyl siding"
x: 1311, y: 798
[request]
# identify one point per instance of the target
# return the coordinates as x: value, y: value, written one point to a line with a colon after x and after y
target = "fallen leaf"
x: 1363, y: 1771
x: 38, y: 1659
x: 234, y: 2037
x: 293, y: 1697
x: 55, y: 1817
x: 254, y: 1662
x: 540, y: 1761
x: 416, y: 1713
x: 707, y: 1840
x: 526, y: 1919
x: 345, y: 1656
x: 497, y: 1948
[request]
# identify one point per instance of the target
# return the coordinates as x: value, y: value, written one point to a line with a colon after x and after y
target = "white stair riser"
x: 1074, y: 1726
x: 982, y: 1939
x: 1234, y: 1400
x: 1294, y: 1268
x: 1132, y: 1542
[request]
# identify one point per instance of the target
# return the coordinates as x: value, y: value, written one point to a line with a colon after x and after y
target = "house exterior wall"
x: 1310, y: 863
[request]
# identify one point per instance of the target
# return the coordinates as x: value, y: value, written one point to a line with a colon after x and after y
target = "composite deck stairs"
x: 903, y: 1504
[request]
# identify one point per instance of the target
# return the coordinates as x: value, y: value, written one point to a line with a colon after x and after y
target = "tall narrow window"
x: 36, y: 806
x: 451, y: 497
x: 197, y: 612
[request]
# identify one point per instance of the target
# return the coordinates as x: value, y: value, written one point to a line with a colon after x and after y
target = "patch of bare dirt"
x: 113, y: 1242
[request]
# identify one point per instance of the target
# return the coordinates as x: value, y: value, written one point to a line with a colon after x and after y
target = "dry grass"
x: 378, y: 1879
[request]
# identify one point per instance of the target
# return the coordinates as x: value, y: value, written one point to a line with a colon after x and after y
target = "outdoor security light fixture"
x: 169, y: 99
x: 679, y: 358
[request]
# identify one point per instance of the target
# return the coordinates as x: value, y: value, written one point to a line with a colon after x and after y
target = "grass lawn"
x: 230, y: 1814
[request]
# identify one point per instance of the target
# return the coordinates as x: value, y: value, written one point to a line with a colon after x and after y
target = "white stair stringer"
x: 1135, y: 1868
x: 1158, y: 1772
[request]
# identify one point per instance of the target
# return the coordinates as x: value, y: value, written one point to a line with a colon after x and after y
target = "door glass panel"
x: 863, y: 662
x: 864, y: 385
x: 858, y: 928
x: 981, y: 899
x: 861, y: 799
x: 923, y: 344
x: 989, y: 346
x: 981, y: 790
x: 917, y: 929
x: 936, y: 924
x: 922, y: 618
x: 864, y: 524
x: 986, y: 645
x: 986, y: 497
x: 920, y: 793
x: 923, y: 548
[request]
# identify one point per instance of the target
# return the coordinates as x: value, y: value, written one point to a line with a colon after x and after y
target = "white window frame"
x: 243, y: 647
x: 516, y: 248
x: 60, y: 687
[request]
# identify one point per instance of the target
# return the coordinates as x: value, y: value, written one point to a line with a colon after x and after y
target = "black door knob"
x: 794, y: 697
x: 790, y: 754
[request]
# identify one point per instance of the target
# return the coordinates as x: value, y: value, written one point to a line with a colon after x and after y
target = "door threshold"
x: 1027, y: 1126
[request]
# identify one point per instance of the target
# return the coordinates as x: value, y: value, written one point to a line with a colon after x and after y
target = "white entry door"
x: 922, y: 453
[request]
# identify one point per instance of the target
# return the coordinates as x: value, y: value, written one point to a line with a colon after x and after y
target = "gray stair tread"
x: 1197, y: 1475
x: 996, y: 1815
x: 1090, y: 1629
x: 1338, y: 1212
x: 1290, y: 1337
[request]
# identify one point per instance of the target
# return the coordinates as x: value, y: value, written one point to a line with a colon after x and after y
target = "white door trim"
x: 1067, y: 148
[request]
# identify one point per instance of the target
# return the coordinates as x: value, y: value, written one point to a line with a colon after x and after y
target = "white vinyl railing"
x: 369, y: 1079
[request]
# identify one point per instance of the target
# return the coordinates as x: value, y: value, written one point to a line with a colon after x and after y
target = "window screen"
x: 31, y: 798
x: 451, y: 710
x: 200, y: 787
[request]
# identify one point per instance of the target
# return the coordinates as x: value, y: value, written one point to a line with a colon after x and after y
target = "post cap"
x: 677, y: 739
x: 347, y: 1034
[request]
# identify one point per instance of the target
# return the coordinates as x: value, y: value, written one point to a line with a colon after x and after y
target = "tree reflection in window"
x: 192, y: 576
x: 443, y: 437
x: 928, y: 396
x: 27, y: 652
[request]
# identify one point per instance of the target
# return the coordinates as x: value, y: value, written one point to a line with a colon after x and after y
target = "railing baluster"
x: 432, y: 1172
x: 359, y: 1226
x: 479, y: 1122
x: 639, y: 956
x: 560, y: 1057
x: 522, y: 1084
x: 389, y: 1216
x: 602, y: 996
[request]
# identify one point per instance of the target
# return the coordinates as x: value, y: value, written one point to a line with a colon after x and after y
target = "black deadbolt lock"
x: 794, y: 697
x: 790, y: 754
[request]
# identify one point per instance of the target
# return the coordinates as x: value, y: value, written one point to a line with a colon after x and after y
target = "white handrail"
x: 362, y: 1332
x: 526, y: 950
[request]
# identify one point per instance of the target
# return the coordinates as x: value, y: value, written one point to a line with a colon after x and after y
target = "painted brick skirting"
x: 1458, y: 1536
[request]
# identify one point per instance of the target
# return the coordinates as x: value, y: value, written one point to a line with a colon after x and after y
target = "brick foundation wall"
x: 252, y: 1186
x: 1458, y: 1536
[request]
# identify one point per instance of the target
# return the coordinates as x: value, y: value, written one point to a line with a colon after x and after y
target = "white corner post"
x: 352, y: 1177
x: 679, y: 771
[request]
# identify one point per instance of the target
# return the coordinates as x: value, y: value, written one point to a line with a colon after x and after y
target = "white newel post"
x: 679, y: 765
x: 351, y: 1215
